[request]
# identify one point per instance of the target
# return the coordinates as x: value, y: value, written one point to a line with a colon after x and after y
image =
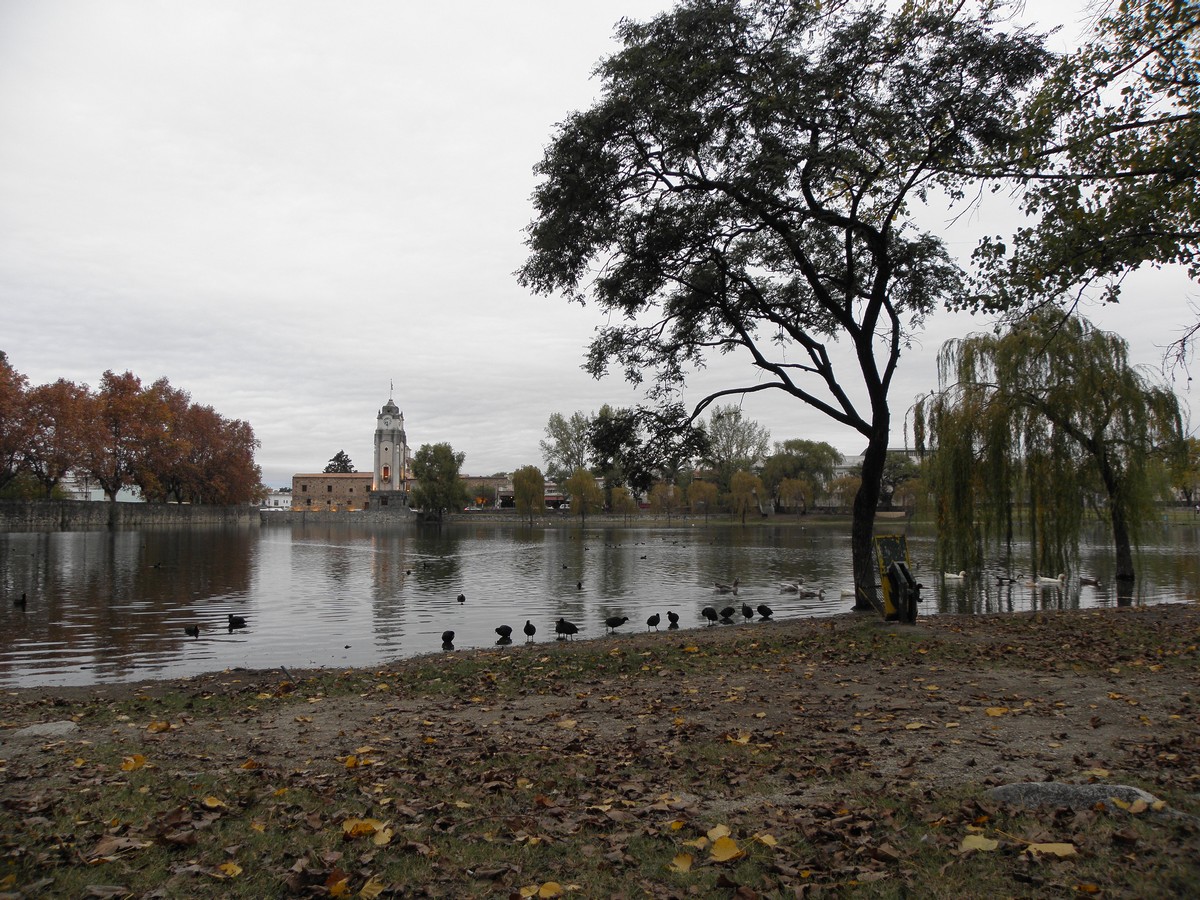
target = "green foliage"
x: 529, y: 491
x: 567, y: 446
x: 743, y: 184
x: 25, y: 486
x: 795, y: 493
x: 439, y: 487
x: 662, y: 499
x: 1108, y: 162
x: 745, y: 493
x: 623, y: 503
x: 339, y: 464
x: 617, y: 451
x: 734, y: 442
x: 1184, y: 468
x: 1048, y: 416
x: 809, y: 462
x: 586, y: 496
x: 702, y: 497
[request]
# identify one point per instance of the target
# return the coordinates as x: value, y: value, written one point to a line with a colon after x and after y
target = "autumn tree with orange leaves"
x: 123, y: 435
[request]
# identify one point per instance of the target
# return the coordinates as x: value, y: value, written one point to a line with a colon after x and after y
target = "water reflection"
x: 114, y: 606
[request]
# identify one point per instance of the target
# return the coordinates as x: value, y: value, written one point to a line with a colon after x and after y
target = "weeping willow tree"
x: 1044, y: 420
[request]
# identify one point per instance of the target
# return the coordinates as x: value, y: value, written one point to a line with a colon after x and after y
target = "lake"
x: 112, y: 606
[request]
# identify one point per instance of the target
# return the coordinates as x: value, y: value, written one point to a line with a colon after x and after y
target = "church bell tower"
x: 391, y: 450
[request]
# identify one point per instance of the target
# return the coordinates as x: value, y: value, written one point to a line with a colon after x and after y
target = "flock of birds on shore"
x: 565, y: 630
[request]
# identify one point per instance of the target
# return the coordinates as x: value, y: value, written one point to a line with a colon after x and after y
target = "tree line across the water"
x: 121, y: 434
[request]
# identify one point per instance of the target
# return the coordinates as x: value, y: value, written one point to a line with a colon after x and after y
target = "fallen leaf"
x: 725, y: 849
x: 1062, y: 851
x: 718, y: 831
x: 372, y: 889
x: 131, y: 763
x: 767, y: 839
x: 996, y: 711
x: 231, y: 869
x: 213, y: 803
x: 978, y: 842
x: 550, y: 889
x: 352, y: 828
x: 682, y: 862
x: 158, y: 727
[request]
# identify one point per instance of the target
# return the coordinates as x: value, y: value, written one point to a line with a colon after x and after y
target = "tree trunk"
x: 1122, y: 541
x: 862, y: 528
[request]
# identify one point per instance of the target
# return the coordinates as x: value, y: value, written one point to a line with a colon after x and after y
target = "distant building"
x: 392, y: 463
x: 277, y: 499
x: 385, y: 485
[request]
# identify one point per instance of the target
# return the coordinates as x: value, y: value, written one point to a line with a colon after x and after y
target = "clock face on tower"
x: 387, y: 421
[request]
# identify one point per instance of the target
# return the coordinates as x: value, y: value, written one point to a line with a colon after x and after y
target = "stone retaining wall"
x: 389, y: 516
x: 76, y: 515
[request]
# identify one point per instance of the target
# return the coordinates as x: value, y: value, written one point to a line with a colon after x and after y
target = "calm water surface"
x: 112, y: 606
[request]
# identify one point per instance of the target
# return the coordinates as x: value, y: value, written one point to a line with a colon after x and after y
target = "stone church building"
x: 386, y: 485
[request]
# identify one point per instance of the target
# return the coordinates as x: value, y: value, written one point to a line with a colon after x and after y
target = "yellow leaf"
x: 677, y: 824
x: 699, y: 843
x: 718, y: 831
x: 725, y: 849
x: 550, y: 889
x: 213, y: 803
x: 1097, y: 773
x: 462, y: 804
x: 382, y: 837
x: 157, y: 727
x: 767, y: 839
x: 913, y: 726
x: 1138, y: 807
x: 249, y: 764
x: 130, y: 763
x: 978, y: 842
x: 565, y: 723
x: 681, y: 863
x: 340, y: 888
x: 742, y: 737
x: 996, y: 710
x: 351, y: 761
x: 353, y: 828
x: 80, y: 762
x: 1062, y: 851
x: 373, y: 888
x: 691, y: 649
x: 260, y: 827
x: 232, y: 869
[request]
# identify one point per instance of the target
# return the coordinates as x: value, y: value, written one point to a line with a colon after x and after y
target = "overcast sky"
x: 284, y: 206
